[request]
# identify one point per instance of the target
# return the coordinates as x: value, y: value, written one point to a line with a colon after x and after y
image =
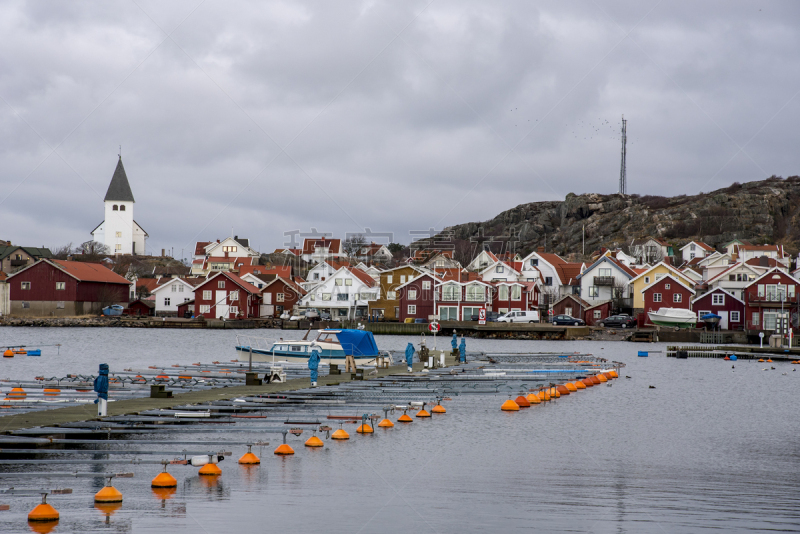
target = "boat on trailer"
x: 335, y: 345
x: 673, y: 318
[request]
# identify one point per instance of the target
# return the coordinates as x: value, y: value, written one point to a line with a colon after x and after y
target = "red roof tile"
x: 200, y: 247
x: 91, y: 272
x: 333, y: 245
x: 361, y: 275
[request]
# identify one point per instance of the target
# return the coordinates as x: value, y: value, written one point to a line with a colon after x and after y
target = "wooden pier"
x: 741, y: 352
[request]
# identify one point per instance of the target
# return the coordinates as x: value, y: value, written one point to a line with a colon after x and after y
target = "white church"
x: 119, y: 232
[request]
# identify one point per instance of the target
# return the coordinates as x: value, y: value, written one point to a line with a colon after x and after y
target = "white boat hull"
x: 673, y: 318
x: 263, y: 356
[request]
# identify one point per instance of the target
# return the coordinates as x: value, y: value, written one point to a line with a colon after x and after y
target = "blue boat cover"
x: 710, y: 316
x: 357, y: 342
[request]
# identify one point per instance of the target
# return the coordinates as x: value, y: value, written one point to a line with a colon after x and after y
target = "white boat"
x: 673, y: 317
x: 335, y: 346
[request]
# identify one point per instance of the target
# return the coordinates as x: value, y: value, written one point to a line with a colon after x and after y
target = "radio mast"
x: 623, y: 182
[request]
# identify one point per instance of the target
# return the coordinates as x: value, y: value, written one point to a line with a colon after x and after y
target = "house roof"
x: 167, y: 281
x: 81, y: 271
x: 119, y: 188
x: 674, y: 279
x: 732, y: 267
x: 770, y: 262
x: 200, y: 247
x: 700, y: 244
x: 717, y: 290
x: 334, y: 245
x: 576, y: 298
x: 643, y: 240
x: 599, y: 303
x: 288, y: 283
x: 774, y: 270
x: 642, y: 272
x: 150, y: 303
x: 361, y: 275
x: 250, y: 288
x: 568, y: 272
x: 3, y: 276
x: 295, y: 251
x: 284, y: 271
x: 34, y: 252
x: 762, y: 248
x: 627, y: 271
x: 151, y: 283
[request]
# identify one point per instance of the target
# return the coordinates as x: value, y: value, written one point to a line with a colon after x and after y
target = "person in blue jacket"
x: 409, y: 355
x: 101, y: 387
x: 313, y: 363
x: 462, y: 350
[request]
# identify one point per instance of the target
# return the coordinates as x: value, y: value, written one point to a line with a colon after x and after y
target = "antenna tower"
x: 623, y: 181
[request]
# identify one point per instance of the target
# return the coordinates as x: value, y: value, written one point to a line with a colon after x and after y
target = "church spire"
x: 119, y: 189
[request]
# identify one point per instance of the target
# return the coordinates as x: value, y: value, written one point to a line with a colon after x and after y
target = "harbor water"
x: 682, y: 446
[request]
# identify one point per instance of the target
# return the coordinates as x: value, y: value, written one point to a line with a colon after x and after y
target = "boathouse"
x: 667, y: 292
x: 226, y: 296
x: 723, y: 303
x: 278, y: 296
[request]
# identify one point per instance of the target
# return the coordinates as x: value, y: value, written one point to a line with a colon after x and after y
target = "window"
x: 656, y: 297
x: 60, y: 305
x: 114, y: 208
x: 205, y: 308
x: 234, y: 295
x: 502, y: 293
x: 221, y: 284
x: 25, y: 285
x: 234, y: 309
x: 755, y: 318
x: 659, y: 276
x: 342, y: 296
x: 61, y: 285
x: 402, y: 279
x: 646, y: 279
x: 717, y: 299
x: 598, y: 314
x: 326, y: 296
x: 279, y: 297
x: 313, y: 296
x: 389, y: 278
x: 174, y: 288
x: 760, y: 290
x: 26, y: 305
x: 691, y: 255
x: 735, y: 317
x: 348, y: 282
x: 122, y: 207
x: 117, y: 247
x: 702, y: 313
x: 516, y: 292
x: 666, y: 286
x: 412, y: 294
x: 692, y: 246
x: 534, y: 262
x: 499, y: 269
x: 426, y: 284
x: 448, y: 313
x: 119, y: 234
x: 180, y: 289
x: 734, y: 278
x: 548, y: 280
x: 605, y: 272
x: 451, y: 292
x: 186, y: 299
x: 339, y: 282
x: 391, y: 295
x: 412, y: 310
x: 770, y: 320
x: 475, y: 293
x: 791, y: 291
x: 594, y: 291
x: 166, y: 301
x: 229, y: 248
x: 677, y: 297
x: 568, y: 310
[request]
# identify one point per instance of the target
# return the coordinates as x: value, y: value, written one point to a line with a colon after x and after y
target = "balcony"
x: 604, y: 281
x: 772, y: 300
x: 19, y: 263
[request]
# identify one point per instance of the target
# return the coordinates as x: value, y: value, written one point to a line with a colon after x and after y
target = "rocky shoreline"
x: 71, y: 321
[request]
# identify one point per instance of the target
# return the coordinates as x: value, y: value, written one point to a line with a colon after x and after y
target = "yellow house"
x: 387, y: 304
x: 650, y: 276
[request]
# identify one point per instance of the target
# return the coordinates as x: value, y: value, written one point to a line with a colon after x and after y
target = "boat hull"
x: 672, y: 322
x: 262, y: 355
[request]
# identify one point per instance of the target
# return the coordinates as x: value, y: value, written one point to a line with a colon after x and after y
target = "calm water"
x: 710, y: 449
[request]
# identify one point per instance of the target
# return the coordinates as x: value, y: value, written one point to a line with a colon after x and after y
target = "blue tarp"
x: 357, y: 342
x: 710, y: 316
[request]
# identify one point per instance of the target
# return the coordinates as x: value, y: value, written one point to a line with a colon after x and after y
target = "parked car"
x: 619, y: 321
x: 568, y: 320
x: 524, y: 316
x: 491, y: 317
x: 324, y: 316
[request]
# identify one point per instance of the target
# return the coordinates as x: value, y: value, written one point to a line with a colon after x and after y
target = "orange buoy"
x: 364, y: 429
x: 249, y: 458
x: 547, y: 395
x: 554, y: 393
x: 17, y: 392
x: 314, y: 441
x: 385, y: 424
x: 522, y: 402
x: 210, y: 470
x: 438, y: 409
x: 587, y: 382
x: 564, y: 390
x: 572, y: 388
x: 601, y: 377
x: 43, y: 512
x: 108, y: 494
x: 405, y: 418
x: 164, y: 480
x: 284, y: 450
x: 10, y: 354
x: 595, y: 380
x: 533, y: 398
x: 51, y: 391
x: 510, y: 406
x: 340, y: 434
x: 423, y: 413
x: 613, y: 374
x: 769, y: 360
x: 579, y: 384
x: 761, y: 360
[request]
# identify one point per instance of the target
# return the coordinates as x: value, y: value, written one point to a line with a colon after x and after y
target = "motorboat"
x: 335, y: 345
x: 673, y: 317
x: 711, y: 320
x: 114, y: 309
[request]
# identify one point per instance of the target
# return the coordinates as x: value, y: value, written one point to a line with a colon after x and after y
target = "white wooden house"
x: 600, y: 279
x: 695, y: 249
x: 171, y: 294
x: 346, y: 293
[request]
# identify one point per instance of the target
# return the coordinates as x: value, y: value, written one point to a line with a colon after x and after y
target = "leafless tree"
x: 62, y: 253
x: 649, y: 254
x: 618, y: 300
x: 352, y: 246
x: 93, y: 250
x: 464, y: 252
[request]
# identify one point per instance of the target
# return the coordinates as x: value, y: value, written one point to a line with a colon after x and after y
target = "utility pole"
x: 623, y: 185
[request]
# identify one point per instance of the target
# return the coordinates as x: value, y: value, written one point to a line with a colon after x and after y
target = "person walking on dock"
x: 101, y: 387
x: 454, y: 344
x: 313, y: 363
x: 462, y: 350
x: 409, y: 356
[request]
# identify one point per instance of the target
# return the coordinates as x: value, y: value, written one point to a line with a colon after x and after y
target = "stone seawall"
x: 70, y: 321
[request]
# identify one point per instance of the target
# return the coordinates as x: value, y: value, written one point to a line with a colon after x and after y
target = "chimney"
x: 162, y: 252
x: 236, y: 238
x: 763, y: 261
x: 540, y: 249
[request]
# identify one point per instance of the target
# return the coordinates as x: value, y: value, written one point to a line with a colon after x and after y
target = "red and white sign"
x: 482, y: 316
x: 434, y: 327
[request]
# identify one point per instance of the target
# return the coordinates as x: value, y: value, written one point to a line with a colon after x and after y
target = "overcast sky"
x: 395, y: 116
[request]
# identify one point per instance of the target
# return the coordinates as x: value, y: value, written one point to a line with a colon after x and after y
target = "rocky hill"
x: 765, y: 211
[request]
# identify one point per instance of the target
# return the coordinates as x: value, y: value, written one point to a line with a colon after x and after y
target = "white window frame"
x: 25, y: 286
x: 502, y: 292
x: 166, y: 301
x: 677, y: 297
x: 412, y: 309
x: 279, y: 297
x: 234, y: 295
x: 718, y: 299
x: 221, y: 284
x: 234, y: 309
x: 348, y: 281
x: 516, y: 292
x: 339, y: 282
x: 656, y: 297
x: 205, y: 308
x: 598, y: 314
x: 389, y: 278
x: 426, y: 284
x: 735, y: 317
x: 61, y: 286
x: 412, y: 294
x: 391, y: 295
x: 207, y: 294
x: 667, y: 286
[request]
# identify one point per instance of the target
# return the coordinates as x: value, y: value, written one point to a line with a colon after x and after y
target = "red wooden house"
x: 186, y: 309
x: 416, y: 298
x: 773, y: 296
x: 226, y: 296
x: 595, y: 313
x: 513, y: 296
x: 278, y: 295
x: 723, y: 303
x: 669, y: 292
x: 59, y: 287
x: 142, y: 307
x: 571, y: 305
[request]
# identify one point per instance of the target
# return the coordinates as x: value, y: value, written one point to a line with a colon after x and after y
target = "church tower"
x: 119, y: 232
